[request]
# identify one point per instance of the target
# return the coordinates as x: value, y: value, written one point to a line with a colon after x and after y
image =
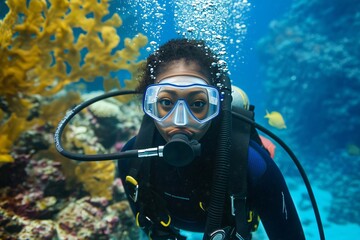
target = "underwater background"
x: 298, y: 58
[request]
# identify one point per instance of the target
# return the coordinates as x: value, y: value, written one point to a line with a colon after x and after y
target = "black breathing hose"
x: 222, y: 166
x: 298, y: 165
x: 69, y: 115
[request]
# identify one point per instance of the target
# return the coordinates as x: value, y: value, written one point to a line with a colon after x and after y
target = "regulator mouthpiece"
x: 180, y: 151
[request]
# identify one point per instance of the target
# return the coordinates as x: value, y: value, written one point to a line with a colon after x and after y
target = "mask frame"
x: 180, y: 105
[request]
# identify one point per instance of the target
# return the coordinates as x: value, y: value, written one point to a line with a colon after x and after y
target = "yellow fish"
x: 275, y: 119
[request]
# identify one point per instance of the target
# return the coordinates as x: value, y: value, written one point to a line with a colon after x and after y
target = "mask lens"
x: 199, y: 102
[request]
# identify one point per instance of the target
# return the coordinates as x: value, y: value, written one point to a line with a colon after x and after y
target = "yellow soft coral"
x: 9, y: 132
x: 97, y: 177
x: 125, y: 56
x: 46, y: 45
x: 52, y: 113
x: 43, y: 53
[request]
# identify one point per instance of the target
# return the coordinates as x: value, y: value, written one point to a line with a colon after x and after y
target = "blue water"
x: 3, y: 9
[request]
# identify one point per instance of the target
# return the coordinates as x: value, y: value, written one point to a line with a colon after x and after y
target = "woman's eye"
x: 165, y: 102
x: 198, y: 104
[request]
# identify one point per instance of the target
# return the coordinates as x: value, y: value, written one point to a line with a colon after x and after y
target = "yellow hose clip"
x: 137, y: 219
x: 133, y: 187
x: 201, y: 205
x: 166, y: 224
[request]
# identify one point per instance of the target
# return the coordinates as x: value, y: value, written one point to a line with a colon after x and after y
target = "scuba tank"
x: 239, y: 98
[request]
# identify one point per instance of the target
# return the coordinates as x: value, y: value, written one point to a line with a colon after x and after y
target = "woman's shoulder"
x: 258, y: 159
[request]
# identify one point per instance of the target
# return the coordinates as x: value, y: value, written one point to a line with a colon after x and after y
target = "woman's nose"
x: 181, y: 114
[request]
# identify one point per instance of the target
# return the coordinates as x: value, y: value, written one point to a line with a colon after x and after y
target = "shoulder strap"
x: 152, y: 215
x: 238, y: 177
x: 143, y: 140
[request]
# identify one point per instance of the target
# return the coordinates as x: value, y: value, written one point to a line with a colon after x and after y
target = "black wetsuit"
x: 184, y: 187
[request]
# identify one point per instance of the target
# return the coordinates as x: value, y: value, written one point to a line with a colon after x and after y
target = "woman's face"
x: 183, y: 73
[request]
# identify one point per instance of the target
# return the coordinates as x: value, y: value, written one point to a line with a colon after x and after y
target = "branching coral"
x: 46, y: 45
x: 53, y: 112
x: 44, y: 54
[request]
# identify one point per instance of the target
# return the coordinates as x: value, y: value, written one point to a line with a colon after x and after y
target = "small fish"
x: 275, y: 119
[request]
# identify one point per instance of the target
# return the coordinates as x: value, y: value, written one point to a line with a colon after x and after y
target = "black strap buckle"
x: 133, y: 187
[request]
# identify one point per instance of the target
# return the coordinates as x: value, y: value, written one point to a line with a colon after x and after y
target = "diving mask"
x: 181, y: 103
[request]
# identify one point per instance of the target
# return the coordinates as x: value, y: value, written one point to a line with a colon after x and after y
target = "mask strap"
x: 190, y: 73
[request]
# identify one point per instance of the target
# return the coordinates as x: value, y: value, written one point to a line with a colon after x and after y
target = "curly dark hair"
x: 176, y: 49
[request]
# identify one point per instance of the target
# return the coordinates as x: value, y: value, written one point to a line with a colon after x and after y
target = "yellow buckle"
x: 166, y: 224
x: 134, y: 189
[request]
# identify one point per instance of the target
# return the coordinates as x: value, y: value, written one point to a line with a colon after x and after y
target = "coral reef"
x: 46, y: 196
x: 311, y: 61
x: 86, y: 218
x: 91, y: 218
x: 45, y: 47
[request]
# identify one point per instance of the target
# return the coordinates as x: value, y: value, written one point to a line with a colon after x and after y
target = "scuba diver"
x: 197, y: 163
x: 182, y: 89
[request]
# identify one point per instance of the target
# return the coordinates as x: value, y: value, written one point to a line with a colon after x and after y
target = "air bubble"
x: 221, y: 62
x: 214, y: 22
